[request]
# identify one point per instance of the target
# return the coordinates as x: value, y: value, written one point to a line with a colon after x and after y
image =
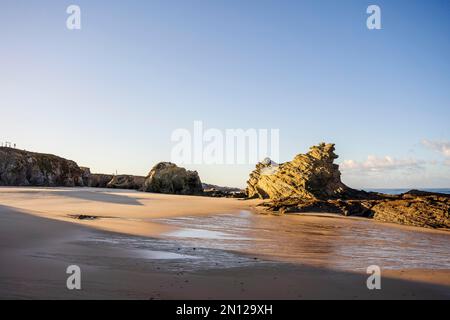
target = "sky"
x: 110, y: 95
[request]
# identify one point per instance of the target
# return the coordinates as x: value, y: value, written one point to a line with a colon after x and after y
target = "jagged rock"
x: 308, y: 176
x: 416, y: 208
x: 430, y: 210
x: 360, y: 208
x: 126, y: 182
x: 23, y: 168
x: 311, y: 183
x: 166, y: 177
x: 99, y: 180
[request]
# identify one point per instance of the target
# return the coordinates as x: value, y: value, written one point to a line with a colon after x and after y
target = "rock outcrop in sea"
x: 167, y: 177
x: 311, y: 183
x: 416, y: 208
x: 24, y: 168
x: 308, y: 176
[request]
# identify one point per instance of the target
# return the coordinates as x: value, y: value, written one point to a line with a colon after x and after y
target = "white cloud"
x: 374, y: 163
x: 442, y: 147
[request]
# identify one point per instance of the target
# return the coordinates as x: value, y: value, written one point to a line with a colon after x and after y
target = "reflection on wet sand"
x: 338, y: 243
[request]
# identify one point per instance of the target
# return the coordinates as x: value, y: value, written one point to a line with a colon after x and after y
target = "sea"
x: 398, y: 191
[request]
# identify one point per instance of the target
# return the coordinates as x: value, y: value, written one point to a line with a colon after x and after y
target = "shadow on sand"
x: 113, y: 271
x: 98, y: 195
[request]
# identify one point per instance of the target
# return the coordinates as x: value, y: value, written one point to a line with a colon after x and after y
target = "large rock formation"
x: 23, y: 168
x: 126, y: 182
x: 311, y: 183
x: 307, y: 176
x: 166, y: 177
x: 414, y: 208
x: 99, y: 180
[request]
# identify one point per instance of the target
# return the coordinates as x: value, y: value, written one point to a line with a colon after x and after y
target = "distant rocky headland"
x: 25, y: 168
x: 311, y: 182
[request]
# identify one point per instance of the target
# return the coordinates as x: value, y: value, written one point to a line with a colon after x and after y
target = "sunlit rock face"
x: 312, y: 183
x: 166, y: 177
x: 309, y: 176
x: 416, y: 208
x: 24, y: 168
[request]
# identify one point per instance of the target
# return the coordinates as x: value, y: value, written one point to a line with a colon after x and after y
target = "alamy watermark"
x: 229, y: 146
x: 374, y: 280
x: 74, y: 280
x: 73, y: 21
x: 374, y: 20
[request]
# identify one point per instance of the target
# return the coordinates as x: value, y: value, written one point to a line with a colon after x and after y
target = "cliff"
x: 24, y: 168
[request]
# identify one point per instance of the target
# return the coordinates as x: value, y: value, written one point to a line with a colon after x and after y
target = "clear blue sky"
x: 109, y: 95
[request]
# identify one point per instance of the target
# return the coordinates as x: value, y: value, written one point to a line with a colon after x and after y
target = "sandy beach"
x: 154, y: 246
x: 125, y: 211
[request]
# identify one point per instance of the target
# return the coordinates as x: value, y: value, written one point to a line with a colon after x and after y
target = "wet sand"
x: 180, y: 250
x: 330, y: 242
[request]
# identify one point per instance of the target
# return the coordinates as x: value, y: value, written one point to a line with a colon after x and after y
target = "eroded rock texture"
x: 311, y: 183
x: 416, y: 208
x: 23, y: 168
x: 308, y: 176
x: 166, y: 177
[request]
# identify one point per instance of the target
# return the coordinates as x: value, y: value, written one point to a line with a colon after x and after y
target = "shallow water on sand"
x: 337, y: 243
